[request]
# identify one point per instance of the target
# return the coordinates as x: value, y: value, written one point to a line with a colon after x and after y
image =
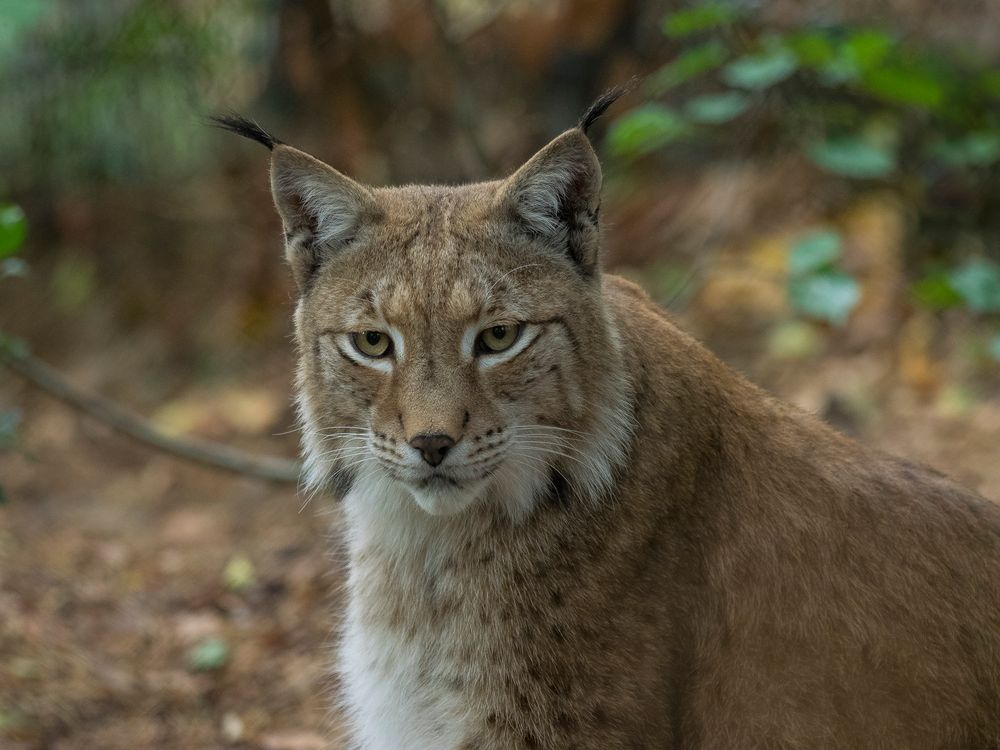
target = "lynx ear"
x: 321, y: 209
x: 557, y: 194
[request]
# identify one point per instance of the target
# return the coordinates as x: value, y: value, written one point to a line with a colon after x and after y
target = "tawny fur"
x: 636, y: 547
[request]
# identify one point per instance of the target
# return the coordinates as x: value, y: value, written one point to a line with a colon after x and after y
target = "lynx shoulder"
x: 568, y: 525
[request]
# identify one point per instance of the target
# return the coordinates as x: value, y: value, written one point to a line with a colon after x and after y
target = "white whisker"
x: 546, y: 427
x: 493, y: 286
x: 558, y: 453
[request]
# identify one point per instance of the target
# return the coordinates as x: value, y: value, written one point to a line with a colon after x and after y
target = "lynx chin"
x: 568, y: 525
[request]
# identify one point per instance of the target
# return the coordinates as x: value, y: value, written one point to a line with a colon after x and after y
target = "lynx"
x: 569, y: 525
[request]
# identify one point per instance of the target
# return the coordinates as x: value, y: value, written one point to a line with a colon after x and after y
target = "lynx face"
x: 453, y: 340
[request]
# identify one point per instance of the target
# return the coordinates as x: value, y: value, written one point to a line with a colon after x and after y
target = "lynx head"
x: 453, y: 341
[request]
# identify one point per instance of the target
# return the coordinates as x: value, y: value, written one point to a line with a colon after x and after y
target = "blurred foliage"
x: 817, y: 287
x: 9, y: 420
x: 977, y: 283
x: 209, y: 655
x: 646, y: 129
x: 861, y: 103
x: 13, y: 231
x: 117, y: 90
x: 239, y: 574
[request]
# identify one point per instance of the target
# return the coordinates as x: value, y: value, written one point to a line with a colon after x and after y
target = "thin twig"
x: 208, y: 454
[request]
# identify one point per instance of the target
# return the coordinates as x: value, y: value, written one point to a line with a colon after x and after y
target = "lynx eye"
x: 372, y: 344
x: 497, y: 338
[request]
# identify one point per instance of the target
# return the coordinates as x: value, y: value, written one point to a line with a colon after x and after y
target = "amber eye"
x: 372, y: 343
x: 497, y: 338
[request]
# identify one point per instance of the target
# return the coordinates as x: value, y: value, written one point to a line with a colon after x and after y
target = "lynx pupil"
x: 497, y: 338
x: 372, y: 344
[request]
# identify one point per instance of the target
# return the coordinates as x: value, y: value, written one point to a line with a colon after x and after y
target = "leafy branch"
x: 861, y: 104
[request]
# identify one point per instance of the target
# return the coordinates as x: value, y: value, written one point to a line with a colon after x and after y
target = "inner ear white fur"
x: 560, y: 181
x: 539, y: 201
x: 320, y: 208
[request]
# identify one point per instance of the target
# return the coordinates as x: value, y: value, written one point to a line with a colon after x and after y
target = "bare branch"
x: 37, y: 373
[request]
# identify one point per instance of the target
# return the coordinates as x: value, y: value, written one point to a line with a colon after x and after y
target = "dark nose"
x: 433, y: 447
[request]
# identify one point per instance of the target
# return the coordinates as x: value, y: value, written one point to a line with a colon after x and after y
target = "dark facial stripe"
x: 560, y: 321
x: 575, y: 343
x: 526, y: 348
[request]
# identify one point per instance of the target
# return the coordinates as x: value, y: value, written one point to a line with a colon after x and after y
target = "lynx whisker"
x: 546, y: 427
x: 512, y: 271
x: 545, y: 449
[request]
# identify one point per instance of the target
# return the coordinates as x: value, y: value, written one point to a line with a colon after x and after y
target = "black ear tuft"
x: 604, y: 101
x: 247, y: 128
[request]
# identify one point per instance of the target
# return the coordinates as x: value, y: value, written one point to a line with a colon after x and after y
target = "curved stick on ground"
x: 37, y: 373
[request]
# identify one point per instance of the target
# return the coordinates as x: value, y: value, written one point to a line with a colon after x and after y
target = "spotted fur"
x: 628, y: 544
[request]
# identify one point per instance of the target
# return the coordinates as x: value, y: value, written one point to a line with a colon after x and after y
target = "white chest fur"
x: 400, y: 676
x: 389, y: 700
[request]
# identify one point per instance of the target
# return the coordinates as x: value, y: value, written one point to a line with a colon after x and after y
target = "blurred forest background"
x: 811, y: 187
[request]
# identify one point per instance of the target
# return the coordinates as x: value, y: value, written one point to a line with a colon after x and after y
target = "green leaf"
x: 813, y: 48
x: 209, y: 655
x: 981, y: 149
x: 761, y: 70
x: 688, y: 65
x: 9, y: 421
x: 906, y: 84
x: 936, y: 292
x: 13, y: 267
x: 794, y: 339
x: 989, y: 83
x: 852, y: 156
x: 813, y: 252
x: 971, y: 150
x: 717, y: 108
x: 838, y: 70
x: 18, y: 17
x: 868, y: 48
x: 978, y: 283
x: 3, y: 501
x: 993, y: 347
x: 645, y: 129
x: 709, y: 15
x: 239, y: 574
x: 829, y: 296
x: 14, y: 347
x: 13, y: 229
x: 21, y: 15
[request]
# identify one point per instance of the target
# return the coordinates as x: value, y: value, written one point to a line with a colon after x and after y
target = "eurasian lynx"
x: 570, y: 526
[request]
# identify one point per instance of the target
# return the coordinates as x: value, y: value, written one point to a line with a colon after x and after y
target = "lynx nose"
x: 433, y: 447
